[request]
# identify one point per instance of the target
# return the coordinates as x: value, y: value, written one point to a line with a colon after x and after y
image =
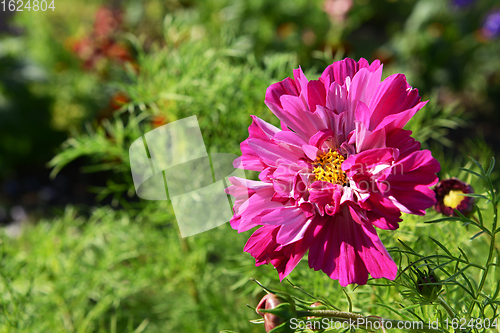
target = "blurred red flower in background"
x: 101, y: 44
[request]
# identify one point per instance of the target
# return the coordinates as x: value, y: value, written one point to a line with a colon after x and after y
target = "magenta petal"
x: 366, y: 139
x: 414, y: 201
x: 298, y: 118
x: 293, y: 231
x: 351, y: 268
x: 374, y: 255
x: 294, y: 116
x: 340, y: 70
x: 380, y: 221
x: 363, y: 114
x: 310, y: 151
x: 411, y: 180
x: 392, y: 97
x: 300, y: 79
x: 349, y: 251
x: 283, y: 215
x: 417, y: 159
x: 322, y: 192
x: 248, y: 162
x: 285, y: 87
x: 384, y: 214
x: 300, y: 187
x: 257, y: 205
x: 318, y: 237
x: 316, y: 94
x: 290, y: 255
x: 270, y: 153
x: 320, y: 137
x: 369, y: 160
x: 252, y: 199
x: 336, y: 98
x: 263, y: 247
x: 289, y: 139
x: 261, y: 130
x: 335, y: 124
x: 401, y: 139
x: 364, y: 84
x: 327, y: 196
x: 285, y: 91
x: 259, y: 242
x: 400, y: 119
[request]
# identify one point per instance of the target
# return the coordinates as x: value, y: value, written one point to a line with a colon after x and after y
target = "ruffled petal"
x: 393, y: 103
x: 259, y: 129
x: 252, y: 198
x: 340, y: 70
x: 263, y: 247
x: 410, y: 182
x: 401, y: 139
x: 327, y: 196
x: 349, y: 251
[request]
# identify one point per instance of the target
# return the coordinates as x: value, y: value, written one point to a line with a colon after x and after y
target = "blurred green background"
x: 79, y: 83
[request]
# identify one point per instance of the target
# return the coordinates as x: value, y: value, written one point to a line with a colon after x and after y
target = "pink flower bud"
x: 269, y: 302
x: 315, y: 304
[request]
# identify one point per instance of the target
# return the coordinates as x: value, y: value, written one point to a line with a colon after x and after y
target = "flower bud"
x: 449, y: 196
x: 429, y: 291
x: 315, y: 305
x: 276, y: 310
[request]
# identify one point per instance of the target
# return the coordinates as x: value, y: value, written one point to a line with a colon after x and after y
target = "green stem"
x: 447, y: 307
x: 368, y: 322
x: 490, y: 254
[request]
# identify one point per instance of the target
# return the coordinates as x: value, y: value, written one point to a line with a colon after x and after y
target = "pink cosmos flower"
x: 341, y: 165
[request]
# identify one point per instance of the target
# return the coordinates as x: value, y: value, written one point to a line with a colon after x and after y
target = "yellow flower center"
x: 327, y: 168
x: 453, y: 198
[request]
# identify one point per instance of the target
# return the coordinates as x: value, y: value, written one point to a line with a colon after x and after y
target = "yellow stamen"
x: 453, y: 198
x: 327, y: 168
